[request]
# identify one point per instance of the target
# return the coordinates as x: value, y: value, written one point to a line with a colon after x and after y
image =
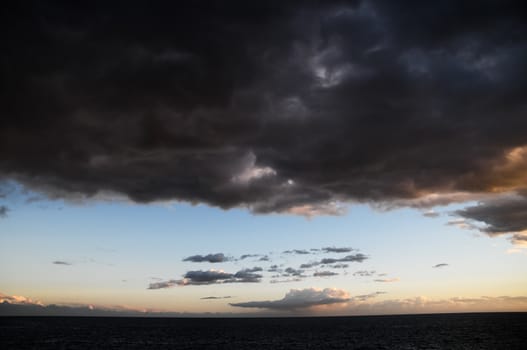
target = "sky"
x: 227, y: 158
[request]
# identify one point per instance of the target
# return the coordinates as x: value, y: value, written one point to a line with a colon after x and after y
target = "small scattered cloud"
x: 211, y: 258
x: 273, y: 268
x: 309, y: 265
x: 163, y: 284
x: 300, y: 299
x: 296, y: 251
x: 339, y: 266
x: 439, y: 265
x: 293, y: 272
x: 325, y: 274
x: 387, y: 280
x: 245, y: 256
x: 60, y: 262
x: 359, y: 257
x: 264, y: 258
x: 337, y: 250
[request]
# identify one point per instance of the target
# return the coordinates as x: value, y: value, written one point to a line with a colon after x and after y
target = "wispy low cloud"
x: 300, y: 299
x: 364, y: 273
x: 386, y: 280
x: 439, y: 265
x: 325, y: 274
x: 211, y: 258
x: 60, y: 262
x: 163, y: 284
x: 288, y: 280
x: 365, y: 297
x: 427, y: 305
x: 215, y: 298
x: 3, y: 211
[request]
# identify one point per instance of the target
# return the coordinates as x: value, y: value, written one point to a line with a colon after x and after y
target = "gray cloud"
x: 293, y: 272
x: 273, y: 268
x: 440, y: 265
x: 500, y: 216
x: 339, y: 266
x: 389, y: 102
x: 163, y: 284
x: 216, y: 298
x: 300, y: 299
x: 309, y: 265
x: 3, y: 211
x: 359, y: 257
x: 59, y: 262
x: 337, y: 250
x: 206, y: 277
x: 287, y: 280
x: 325, y: 274
x: 245, y: 256
x: 211, y: 258
x: 296, y: 251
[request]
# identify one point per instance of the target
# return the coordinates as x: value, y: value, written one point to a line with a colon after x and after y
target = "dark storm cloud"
x: 211, y: 258
x: 59, y: 262
x: 500, y: 216
x: 439, y: 265
x: 3, y: 211
x: 286, y: 106
x: 300, y: 299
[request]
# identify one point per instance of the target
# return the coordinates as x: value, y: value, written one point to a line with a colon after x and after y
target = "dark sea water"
x: 447, y: 331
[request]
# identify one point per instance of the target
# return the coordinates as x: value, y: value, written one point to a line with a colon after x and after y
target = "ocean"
x: 437, y: 331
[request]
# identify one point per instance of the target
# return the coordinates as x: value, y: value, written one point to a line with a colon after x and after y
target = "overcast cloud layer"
x: 277, y: 106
